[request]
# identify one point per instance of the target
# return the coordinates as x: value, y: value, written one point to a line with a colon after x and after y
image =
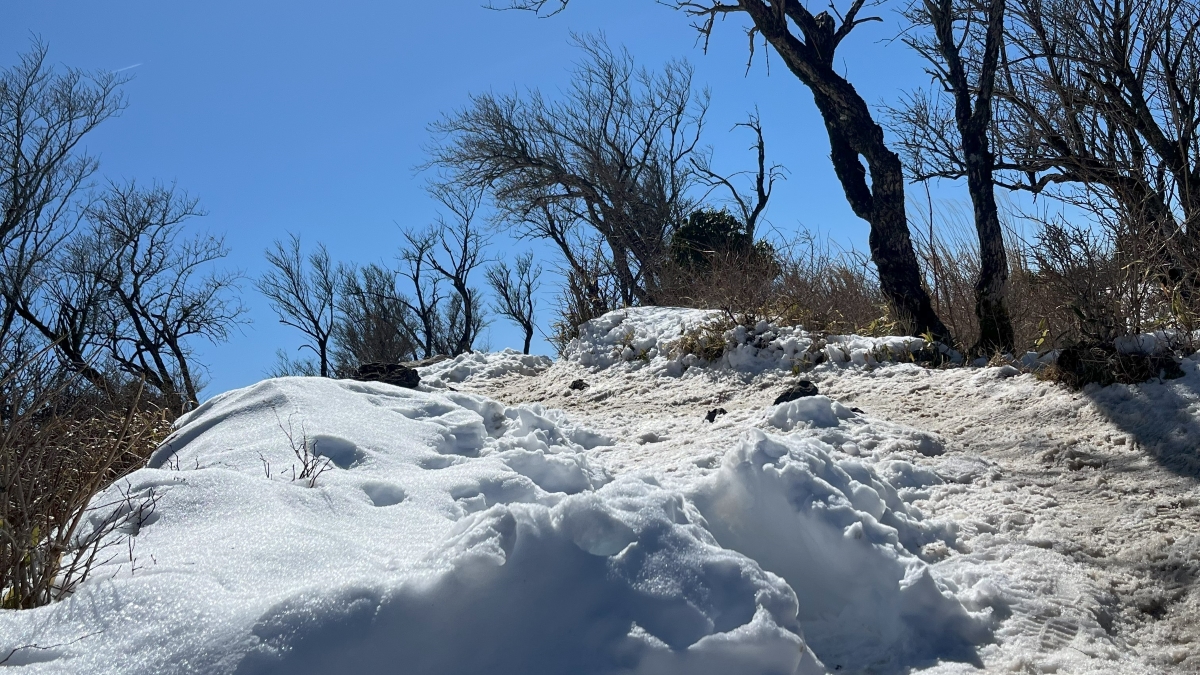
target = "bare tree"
x: 426, y: 283
x: 514, y: 294
x: 1102, y: 99
x: 959, y: 26
x: 44, y: 115
x: 376, y: 323
x: 304, y: 296
x: 807, y: 44
x: 110, y: 282
x: 612, y: 155
x: 749, y: 206
x: 445, y: 253
x: 161, y: 290
x: 461, y: 243
x: 131, y: 291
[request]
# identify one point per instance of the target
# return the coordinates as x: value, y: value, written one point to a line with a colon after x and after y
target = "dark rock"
x: 388, y: 373
x: 713, y: 414
x: 801, y: 389
x: 579, y: 385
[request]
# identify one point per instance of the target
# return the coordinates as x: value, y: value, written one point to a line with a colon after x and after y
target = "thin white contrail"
x: 127, y: 68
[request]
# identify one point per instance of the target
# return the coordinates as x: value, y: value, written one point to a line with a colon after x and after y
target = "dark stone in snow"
x: 801, y: 389
x: 579, y: 385
x: 394, y: 374
x: 713, y: 414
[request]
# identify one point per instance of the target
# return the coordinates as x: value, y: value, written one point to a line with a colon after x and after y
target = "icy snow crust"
x: 608, y: 530
x: 651, y: 337
x: 484, y: 364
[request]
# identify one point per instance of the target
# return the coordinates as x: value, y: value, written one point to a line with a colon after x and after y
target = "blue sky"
x: 311, y: 117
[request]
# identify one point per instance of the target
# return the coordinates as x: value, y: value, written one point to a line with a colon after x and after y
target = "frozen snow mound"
x: 843, y: 539
x: 483, y: 365
x: 1158, y: 342
x: 811, y: 411
x: 447, y: 533
x: 671, y: 340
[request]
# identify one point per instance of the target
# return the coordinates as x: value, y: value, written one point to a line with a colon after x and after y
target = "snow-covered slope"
x: 1076, y: 515
x: 499, y: 521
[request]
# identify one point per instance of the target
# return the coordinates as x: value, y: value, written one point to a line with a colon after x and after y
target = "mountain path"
x: 1030, y: 468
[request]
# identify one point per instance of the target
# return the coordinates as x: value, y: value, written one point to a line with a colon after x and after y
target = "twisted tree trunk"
x: 854, y: 134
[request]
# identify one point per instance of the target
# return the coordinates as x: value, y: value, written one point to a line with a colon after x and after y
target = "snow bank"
x: 449, y: 534
x: 1157, y: 342
x: 484, y: 364
x: 632, y: 335
x: 836, y: 531
x: 665, y: 339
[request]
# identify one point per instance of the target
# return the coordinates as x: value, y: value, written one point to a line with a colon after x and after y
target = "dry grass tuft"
x: 58, y: 450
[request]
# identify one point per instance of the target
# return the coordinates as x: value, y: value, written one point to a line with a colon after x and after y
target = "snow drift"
x: 485, y: 364
x: 449, y: 533
x: 654, y: 336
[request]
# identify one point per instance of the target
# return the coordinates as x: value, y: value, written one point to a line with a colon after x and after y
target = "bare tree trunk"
x: 973, y: 122
x: 991, y: 289
x: 853, y: 133
x: 192, y: 396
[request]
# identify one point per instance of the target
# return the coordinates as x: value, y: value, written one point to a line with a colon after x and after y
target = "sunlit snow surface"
x: 451, y: 533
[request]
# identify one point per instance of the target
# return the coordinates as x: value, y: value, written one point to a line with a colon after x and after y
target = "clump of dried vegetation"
x: 61, y: 446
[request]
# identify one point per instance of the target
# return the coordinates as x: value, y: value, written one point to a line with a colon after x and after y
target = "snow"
x: 496, y: 520
x: 482, y: 364
x: 444, y: 520
x: 1157, y: 342
x: 656, y: 338
x: 814, y: 411
x: 866, y: 599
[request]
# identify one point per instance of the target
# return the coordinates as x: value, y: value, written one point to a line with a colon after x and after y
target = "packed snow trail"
x: 504, y: 519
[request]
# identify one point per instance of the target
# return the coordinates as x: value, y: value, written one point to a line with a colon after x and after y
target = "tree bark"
x: 853, y: 133
x: 973, y: 121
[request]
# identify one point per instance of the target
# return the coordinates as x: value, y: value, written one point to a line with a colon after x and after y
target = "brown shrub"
x: 808, y: 283
x: 1100, y: 363
x: 59, y: 449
